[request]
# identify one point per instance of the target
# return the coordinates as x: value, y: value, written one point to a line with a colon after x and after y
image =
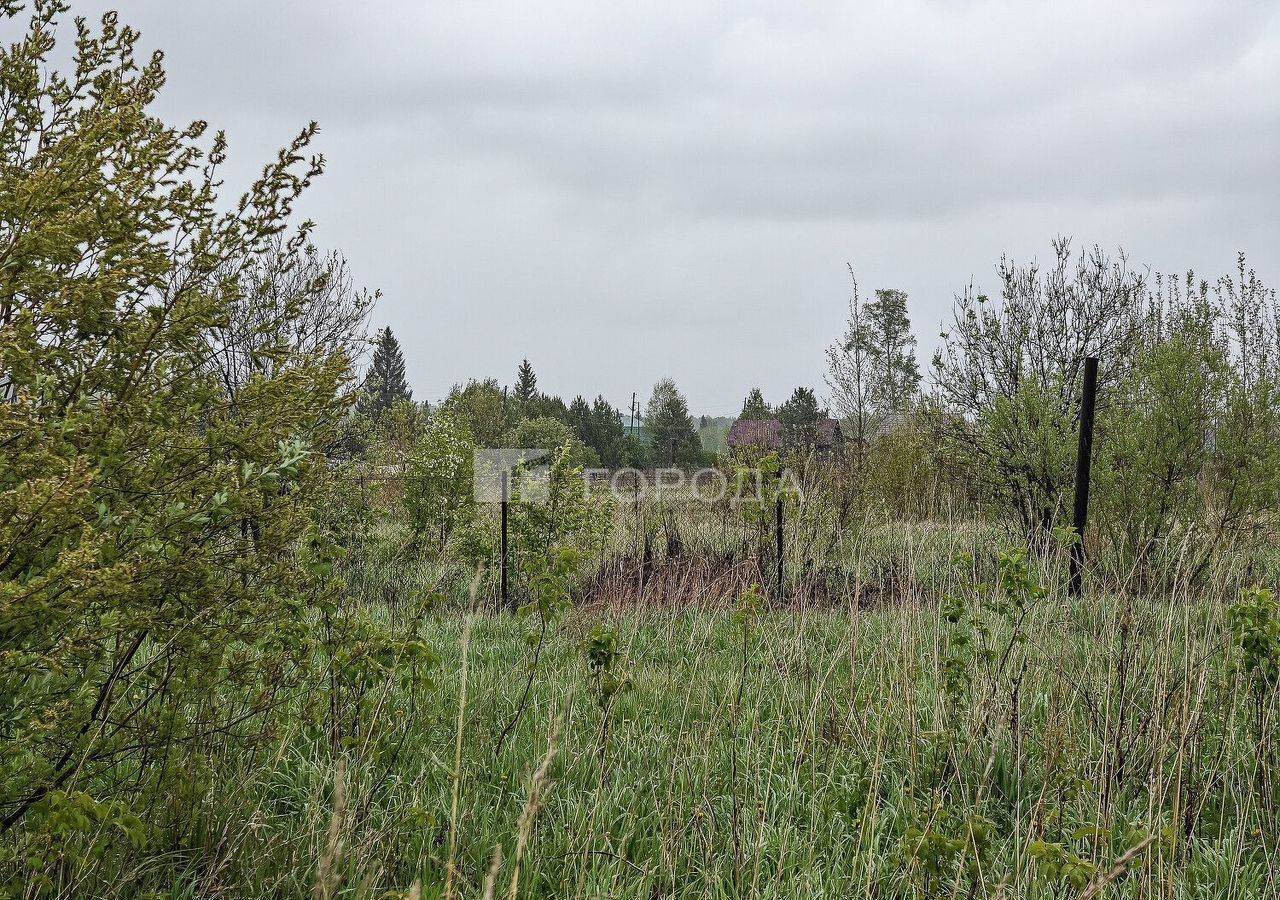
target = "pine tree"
x: 799, y: 417
x: 754, y: 408
x: 385, y: 385
x: 545, y: 406
x: 526, y: 383
x: 891, y: 351
x: 872, y: 370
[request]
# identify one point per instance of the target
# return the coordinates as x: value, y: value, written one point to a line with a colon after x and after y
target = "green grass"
x: 805, y: 759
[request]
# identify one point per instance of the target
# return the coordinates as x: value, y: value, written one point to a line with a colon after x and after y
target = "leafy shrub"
x: 153, y: 499
x: 439, y: 493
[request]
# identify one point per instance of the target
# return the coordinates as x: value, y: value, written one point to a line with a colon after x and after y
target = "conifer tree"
x: 873, y: 371
x: 800, y: 416
x: 580, y: 420
x: 609, y: 435
x: 674, y: 440
x: 754, y: 408
x: 526, y: 383
x: 385, y: 385
x: 891, y: 351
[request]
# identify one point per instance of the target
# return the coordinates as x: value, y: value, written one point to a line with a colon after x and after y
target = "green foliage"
x: 1057, y: 865
x: 757, y: 483
x: 1255, y: 623
x: 872, y: 370
x: 546, y: 406
x: 599, y: 426
x: 550, y: 577
x: 552, y: 435
x: 904, y: 469
x: 481, y: 410
x: 396, y: 432
x: 558, y: 511
x: 601, y: 650
x: 754, y: 408
x: 385, y: 384
x: 153, y: 608
x: 713, y: 432
x: 1188, y: 406
x: 69, y: 830
x: 550, y: 584
x: 750, y: 607
x: 1029, y: 439
x: 890, y: 349
x: 673, y: 439
x: 526, y: 384
x: 1188, y: 455
x: 799, y: 417
x: 1009, y: 371
x: 949, y: 849
x: 957, y: 658
x: 1018, y: 587
x: 364, y: 658
x: 205, y: 623
x: 438, y: 482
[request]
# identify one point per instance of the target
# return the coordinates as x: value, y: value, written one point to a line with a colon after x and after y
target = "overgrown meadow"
x: 253, y: 639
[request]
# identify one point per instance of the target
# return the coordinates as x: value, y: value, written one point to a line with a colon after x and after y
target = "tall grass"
x: 810, y: 753
x: 866, y: 737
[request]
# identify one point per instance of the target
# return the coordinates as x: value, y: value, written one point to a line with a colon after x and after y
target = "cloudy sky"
x: 626, y: 191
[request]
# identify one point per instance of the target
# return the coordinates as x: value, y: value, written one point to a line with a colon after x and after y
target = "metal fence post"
x: 782, y: 584
x: 1084, y: 457
x: 503, y: 577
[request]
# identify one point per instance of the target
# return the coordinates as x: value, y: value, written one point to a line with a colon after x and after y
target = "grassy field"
x: 1100, y: 748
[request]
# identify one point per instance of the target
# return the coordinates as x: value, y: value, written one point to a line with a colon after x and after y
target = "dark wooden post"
x: 782, y: 584
x: 503, y: 577
x: 1084, y: 457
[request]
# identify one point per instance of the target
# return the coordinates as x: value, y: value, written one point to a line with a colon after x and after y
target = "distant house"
x: 768, y: 434
x: 891, y: 423
x: 757, y: 434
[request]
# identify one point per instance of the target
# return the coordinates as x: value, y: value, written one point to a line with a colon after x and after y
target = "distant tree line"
x: 524, y: 416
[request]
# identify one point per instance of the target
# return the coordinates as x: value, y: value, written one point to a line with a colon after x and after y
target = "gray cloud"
x: 625, y: 192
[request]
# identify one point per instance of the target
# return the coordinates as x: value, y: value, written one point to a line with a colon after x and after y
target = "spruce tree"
x: 610, y: 436
x: 754, y: 408
x: 580, y: 420
x: 385, y: 385
x: 526, y: 383
x: 674, y: 440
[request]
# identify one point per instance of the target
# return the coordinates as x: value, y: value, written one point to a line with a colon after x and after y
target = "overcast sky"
x: 622, y: 192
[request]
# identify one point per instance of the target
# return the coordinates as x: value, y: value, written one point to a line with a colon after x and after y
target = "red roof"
x: 766, y: 433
